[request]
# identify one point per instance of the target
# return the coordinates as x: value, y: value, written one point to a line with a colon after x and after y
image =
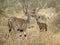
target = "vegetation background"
x: 49, y: 11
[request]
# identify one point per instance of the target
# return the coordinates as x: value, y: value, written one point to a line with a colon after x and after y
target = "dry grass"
x: 34, y: 36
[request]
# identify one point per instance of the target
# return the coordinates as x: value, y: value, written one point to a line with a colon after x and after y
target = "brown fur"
x: 42, y: 26
x: 17, y: 23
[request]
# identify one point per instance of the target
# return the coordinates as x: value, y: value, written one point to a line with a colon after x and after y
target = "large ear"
x: 11, y: 20
x: 10, y: 23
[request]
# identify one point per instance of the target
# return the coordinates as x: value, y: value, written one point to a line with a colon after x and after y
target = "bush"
x: 2, y: 6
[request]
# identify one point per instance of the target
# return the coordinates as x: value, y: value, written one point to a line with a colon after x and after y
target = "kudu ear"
x: 9, y: 25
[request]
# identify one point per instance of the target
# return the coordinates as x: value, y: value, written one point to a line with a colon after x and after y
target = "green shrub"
x: 2, y: 6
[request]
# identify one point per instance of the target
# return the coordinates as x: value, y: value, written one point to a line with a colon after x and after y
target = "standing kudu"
x: 18, y: 24
x: 42, y: 26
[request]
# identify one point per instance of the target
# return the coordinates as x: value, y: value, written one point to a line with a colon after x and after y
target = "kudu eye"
x: 21, y: 30
x: 9, y: 30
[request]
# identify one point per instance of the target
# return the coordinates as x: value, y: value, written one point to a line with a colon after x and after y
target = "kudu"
x: 42, y: 26
x: 18, y: 24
